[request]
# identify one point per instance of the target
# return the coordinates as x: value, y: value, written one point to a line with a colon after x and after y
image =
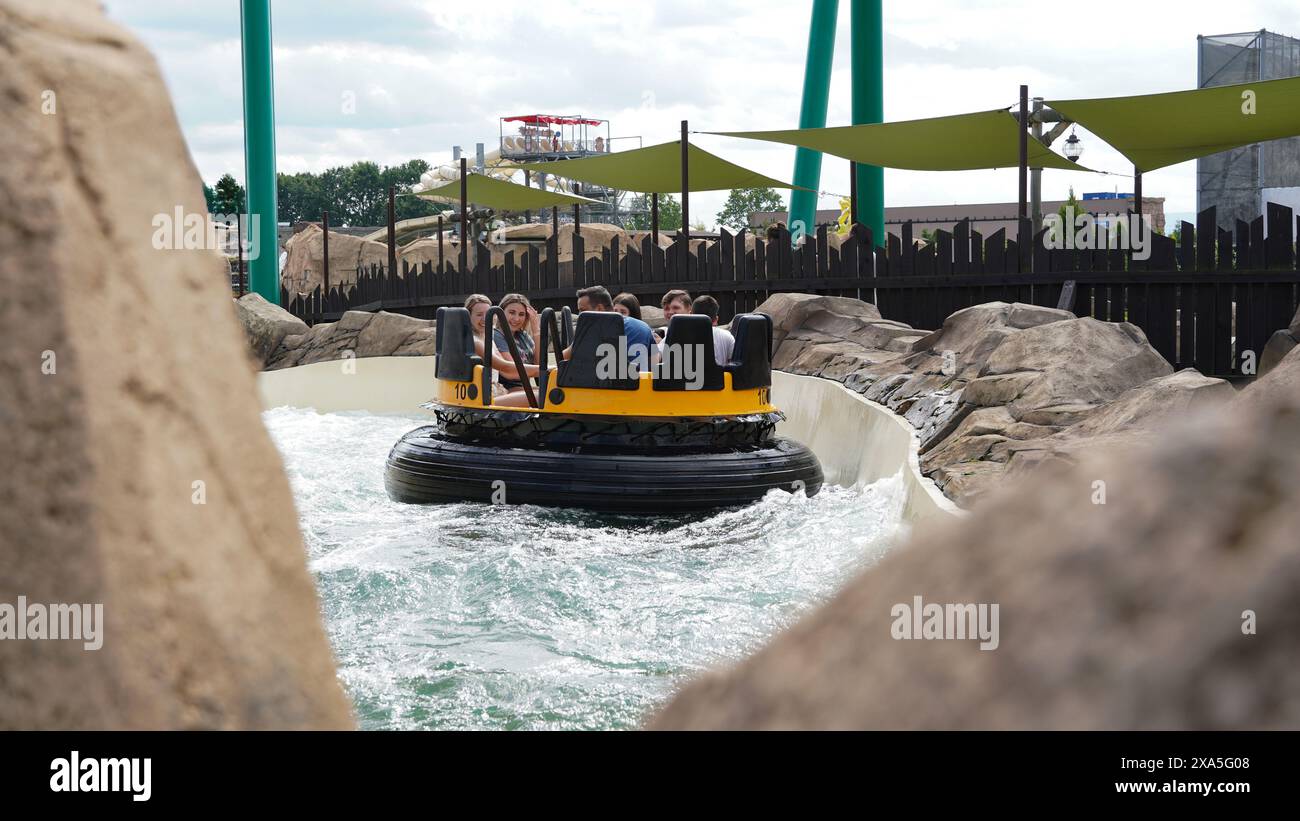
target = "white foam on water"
x: 474, y: 616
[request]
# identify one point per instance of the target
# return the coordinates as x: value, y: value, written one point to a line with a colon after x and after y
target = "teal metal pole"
x: 259, y: 149
x: 869, y: 107
x: 812, y: 114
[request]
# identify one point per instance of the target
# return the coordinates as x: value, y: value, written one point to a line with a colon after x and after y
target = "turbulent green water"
x: 472, y: 616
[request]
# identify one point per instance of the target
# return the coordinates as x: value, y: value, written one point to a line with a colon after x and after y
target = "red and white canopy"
x: 551, y: 119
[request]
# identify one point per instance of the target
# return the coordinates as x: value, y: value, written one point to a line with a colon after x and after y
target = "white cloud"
x: 427, y: 75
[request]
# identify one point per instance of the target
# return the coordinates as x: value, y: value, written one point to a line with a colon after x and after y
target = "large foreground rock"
x: 137, y: 471
x: 1169, y: 606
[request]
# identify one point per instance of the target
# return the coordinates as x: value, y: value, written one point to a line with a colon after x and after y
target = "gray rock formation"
x: 266, y: 325
x: 788, y: 311
x: 1170, y: 606
x: 137, y: 473
x: 1279, y: 345
x: 989, y: 390
x: 304, y: 264
x: 1282, y: 380
x: 363, y: 334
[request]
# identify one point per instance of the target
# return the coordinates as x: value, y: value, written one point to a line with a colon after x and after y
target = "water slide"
x: 494, y: 165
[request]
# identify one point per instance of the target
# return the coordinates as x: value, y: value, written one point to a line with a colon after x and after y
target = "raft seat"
x: 454, y: 344
x: 595, y: 328
x: 688, y: 333
x: 751, y: 358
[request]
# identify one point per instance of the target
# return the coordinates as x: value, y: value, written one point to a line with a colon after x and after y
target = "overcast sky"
x: 428, y: 74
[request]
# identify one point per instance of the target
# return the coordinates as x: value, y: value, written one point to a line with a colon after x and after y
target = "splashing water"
x: 477, y: 617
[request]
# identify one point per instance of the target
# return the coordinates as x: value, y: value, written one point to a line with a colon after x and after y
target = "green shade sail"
x: 987, y: 139
x: 502, y: 195
x: 657, y: 169
x: 1156, y: 130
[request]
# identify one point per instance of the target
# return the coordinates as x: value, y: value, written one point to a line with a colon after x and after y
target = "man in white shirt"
x: 723, y: 341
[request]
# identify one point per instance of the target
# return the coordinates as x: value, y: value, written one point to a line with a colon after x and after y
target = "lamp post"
x: 1073, y: 150
x: 1036, y: 174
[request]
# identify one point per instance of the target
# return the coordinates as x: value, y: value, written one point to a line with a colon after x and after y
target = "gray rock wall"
x: 998, y: 389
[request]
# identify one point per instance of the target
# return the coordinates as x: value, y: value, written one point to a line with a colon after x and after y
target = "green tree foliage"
x: 1075, y: 209
x: 228, y: 196
x: 301, y: 197
x: 670, y: 213
x: 742, y: 202
x: 356, y: 194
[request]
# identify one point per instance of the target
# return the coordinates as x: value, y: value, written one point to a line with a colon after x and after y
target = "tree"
x: 228, y: 196
x: 210, y: 197
x: 742, y: 202
x: 670, y: 213
x: 355, y: 194
x: 301, y: 197
x: 1073, y: 208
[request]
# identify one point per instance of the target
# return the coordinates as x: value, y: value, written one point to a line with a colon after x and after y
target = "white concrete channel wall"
x: 858, y: 442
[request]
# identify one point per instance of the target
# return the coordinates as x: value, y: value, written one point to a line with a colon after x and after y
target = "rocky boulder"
x: 1136, y: 415
x: 1279, y: 345
x: 360, y: 334
x: 788, y: 311
x: 652, y: 316
x: 1147, y: 588
x: 138, y: 477
x: 266, y: 325
x: 1036, y: 370
x: 1081, y: 363
x: 305, y: 259
x: 425, y: 251
x: 1283, y: 380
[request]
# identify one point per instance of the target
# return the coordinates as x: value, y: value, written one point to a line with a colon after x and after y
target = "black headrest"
x: 595, y: 328
x: 689, y: 344
x: 454, y: 343
x: 751, y: 358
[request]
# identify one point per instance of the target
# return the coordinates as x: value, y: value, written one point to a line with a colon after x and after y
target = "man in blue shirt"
x: 641, y: 346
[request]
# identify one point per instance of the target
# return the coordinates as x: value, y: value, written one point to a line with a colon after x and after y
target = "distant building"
x: 1239, y: 181
x: 986, y: 217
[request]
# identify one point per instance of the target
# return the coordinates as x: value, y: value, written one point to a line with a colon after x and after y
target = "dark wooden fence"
x: 1203, y: 302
